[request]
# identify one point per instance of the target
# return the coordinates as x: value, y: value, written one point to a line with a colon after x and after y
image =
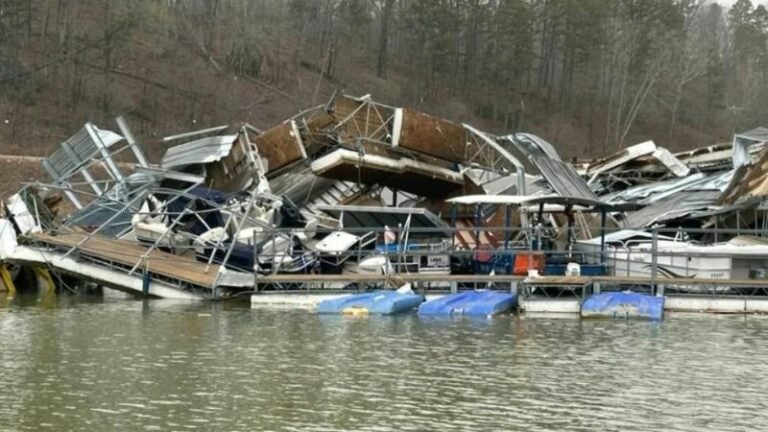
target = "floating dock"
x: 123, y: 265
x: 532, y: 298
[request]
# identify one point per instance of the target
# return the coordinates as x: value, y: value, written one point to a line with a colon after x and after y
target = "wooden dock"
x: 542, y: 280
x: 187, y: 269
x: 128, y: 253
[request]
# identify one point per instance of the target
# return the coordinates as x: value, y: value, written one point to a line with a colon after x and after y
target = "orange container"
x: 525, y: 261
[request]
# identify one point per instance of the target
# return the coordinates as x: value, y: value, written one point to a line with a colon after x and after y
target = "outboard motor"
x: 290, y: 215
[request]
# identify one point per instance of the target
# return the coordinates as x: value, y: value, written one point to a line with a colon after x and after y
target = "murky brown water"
x: 133, y: 365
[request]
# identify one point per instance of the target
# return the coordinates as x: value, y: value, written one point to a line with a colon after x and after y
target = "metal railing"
x: 659, y: 262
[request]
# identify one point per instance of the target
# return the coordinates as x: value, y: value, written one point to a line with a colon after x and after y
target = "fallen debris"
x: 356, y: 187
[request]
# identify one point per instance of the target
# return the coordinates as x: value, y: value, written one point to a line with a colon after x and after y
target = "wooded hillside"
x: 589, y: 75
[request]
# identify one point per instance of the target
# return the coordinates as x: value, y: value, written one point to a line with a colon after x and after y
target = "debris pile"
x: 362, y: 188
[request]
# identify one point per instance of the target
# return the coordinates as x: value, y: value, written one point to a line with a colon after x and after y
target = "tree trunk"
x: 381, y: 64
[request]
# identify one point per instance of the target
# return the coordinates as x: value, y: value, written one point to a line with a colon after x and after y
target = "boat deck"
x: 127, y: 253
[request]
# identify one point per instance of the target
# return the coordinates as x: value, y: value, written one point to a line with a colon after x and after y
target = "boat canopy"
x: 551, y: 201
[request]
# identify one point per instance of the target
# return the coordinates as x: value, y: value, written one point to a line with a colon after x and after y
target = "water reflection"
x: 100, y: 363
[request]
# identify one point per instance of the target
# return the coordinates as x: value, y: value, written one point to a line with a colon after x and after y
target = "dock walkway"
x: 127, y: 253
x: 543, y: 280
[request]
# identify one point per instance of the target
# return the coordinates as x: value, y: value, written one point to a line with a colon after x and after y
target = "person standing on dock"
x: 389, y: 236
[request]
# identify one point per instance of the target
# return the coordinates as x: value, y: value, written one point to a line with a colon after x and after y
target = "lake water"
x: 79, y: 364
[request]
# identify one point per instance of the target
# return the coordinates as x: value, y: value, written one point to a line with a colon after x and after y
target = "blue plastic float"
x: 376, y: 302
x: 626, y: 304
x: 471, y: 303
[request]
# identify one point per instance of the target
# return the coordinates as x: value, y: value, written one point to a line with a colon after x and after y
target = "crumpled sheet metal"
x: 563, y: 178
x: 748, y: 181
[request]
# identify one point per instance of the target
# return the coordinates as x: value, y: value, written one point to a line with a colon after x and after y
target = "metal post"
x: 453, y: 225
x: 161, y: 238
x: 234, y: 240
x: 569, y: 220
x: 128, y: 135
x: 654, y: 258
x: 478, y: 224
x: 602, y: 237
x: 217, y: 245
x: 91, y: 182
x: 540, y: 226
x: 255, y: 264
x: 507, y: 222
x: 65, y: 186
x: 111, y: 166
x: 76, y: 162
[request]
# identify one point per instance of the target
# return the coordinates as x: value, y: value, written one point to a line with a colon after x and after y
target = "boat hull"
x: 470, y: 303
x: 376, y: 302
x: 624, y: 304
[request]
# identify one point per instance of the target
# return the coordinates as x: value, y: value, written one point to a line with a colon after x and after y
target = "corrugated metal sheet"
x: 621, y: 157
x: 708, y: 158
x: 642, y: 192
x: 675, y: 206
x: 534, y: 145
x: 202, y: 151
x: 671, y: 162
x: 744, y: 141
x: 77, y: 151
x: 301, y: 186
x: 649, y: 193
x: 563, y: 178
x: 367, y: 217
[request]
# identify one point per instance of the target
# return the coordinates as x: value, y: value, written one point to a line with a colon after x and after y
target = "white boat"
x: 630, y: 253
x: 152, y: 228
x: 340, y: 246
x: 428, y: 258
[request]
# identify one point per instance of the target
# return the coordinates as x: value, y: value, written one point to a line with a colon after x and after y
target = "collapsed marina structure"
x: 356, y: 194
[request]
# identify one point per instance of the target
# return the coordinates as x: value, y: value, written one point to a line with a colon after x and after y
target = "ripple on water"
x: 186, y: 366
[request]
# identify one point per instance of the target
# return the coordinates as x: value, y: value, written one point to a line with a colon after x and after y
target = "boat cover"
x: 200, y: 203
x: 472, y: 303
x: 623, y: 304
x: 376, y: 302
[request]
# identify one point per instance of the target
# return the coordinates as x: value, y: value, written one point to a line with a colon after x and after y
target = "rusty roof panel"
x: 432, y: 136
x: 747, y: 181
x: 280, y: 146
x: 362, y: 119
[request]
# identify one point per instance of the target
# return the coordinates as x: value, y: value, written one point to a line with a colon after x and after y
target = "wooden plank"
x: 280, y: 146
x: 559, y: 280
x: 128, y: 253
x: 316, y: 130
